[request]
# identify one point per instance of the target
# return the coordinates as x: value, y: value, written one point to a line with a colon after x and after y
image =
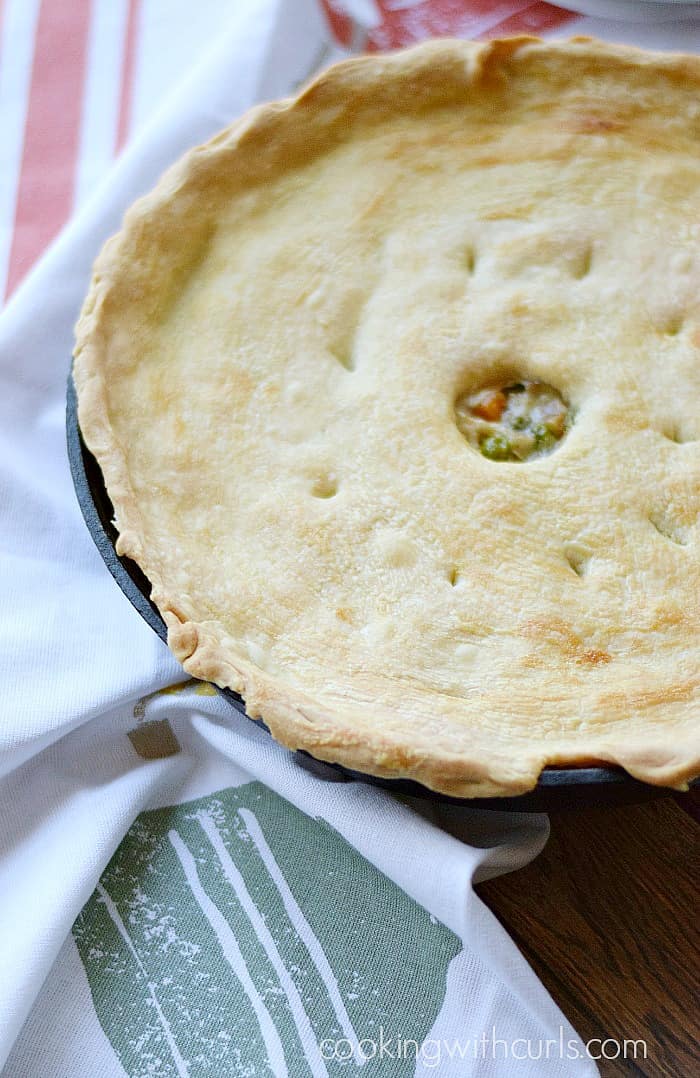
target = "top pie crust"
x: 267, y: 365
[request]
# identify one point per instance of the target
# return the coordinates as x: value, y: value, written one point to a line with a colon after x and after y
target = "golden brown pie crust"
x: 267, y: 363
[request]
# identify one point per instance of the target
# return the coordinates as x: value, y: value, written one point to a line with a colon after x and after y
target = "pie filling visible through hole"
x: 518, y: 421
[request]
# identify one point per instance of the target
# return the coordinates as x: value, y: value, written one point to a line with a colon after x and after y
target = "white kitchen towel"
x: 177, y: 896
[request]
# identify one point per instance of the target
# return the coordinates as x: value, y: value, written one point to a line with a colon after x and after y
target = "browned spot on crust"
x: 594, y: 125
x: 344, y: 614
x: 669, y: 615
x: 561, y: 636
x: 512, y: 213
x: 695, y: 337
x: 400, y: 758
x: 652, y: 697
x: 595, y: 657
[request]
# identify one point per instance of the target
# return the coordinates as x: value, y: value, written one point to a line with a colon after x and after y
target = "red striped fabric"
x: 404, y: 25
x: 534, y: 19
x: 340, y: 25
x: 128, y: 71
x: 49, y: 158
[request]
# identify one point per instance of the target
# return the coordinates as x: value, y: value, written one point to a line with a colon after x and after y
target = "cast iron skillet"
x: 557, y: 788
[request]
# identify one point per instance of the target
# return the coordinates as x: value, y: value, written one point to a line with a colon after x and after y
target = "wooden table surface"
x: 607, y: 916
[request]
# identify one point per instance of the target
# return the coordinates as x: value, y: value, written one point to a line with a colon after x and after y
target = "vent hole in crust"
x: 453, y: 576
x: 678, y: 436
x: 673, y: 324
x: 469, y: 259
x: 513, y: 421
x: 577, y: 561
x: 325, y: 487
x: 582, y: 265
x: 675, y: 533
x: 344, y: 357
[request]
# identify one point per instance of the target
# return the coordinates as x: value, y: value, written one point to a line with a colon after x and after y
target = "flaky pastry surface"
x: 267, y: 365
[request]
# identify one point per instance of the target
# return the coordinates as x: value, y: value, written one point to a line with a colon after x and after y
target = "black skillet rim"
x: 557, y: 788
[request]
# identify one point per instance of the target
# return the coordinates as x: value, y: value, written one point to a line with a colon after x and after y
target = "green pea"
x: 495, y: 447
x: 544, y: 439
x: 519, y: 422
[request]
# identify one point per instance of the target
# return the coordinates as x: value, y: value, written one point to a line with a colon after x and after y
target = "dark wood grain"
x: 607, y: 916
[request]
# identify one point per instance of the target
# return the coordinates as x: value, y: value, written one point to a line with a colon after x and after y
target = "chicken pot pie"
x: 394, y: 387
